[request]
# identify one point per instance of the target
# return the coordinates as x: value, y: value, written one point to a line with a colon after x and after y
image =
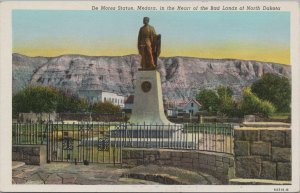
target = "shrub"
x: 251, y: 104
x: 105, y: 108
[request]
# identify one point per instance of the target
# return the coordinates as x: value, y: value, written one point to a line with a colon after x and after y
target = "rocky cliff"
x: 181, y: 77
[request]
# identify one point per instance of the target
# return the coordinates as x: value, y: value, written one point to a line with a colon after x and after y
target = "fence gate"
x: 83, y: 143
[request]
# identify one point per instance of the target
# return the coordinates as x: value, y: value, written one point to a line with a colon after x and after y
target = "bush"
x: 229, y: 107
x: 105, y: 108
x: 251, y: 104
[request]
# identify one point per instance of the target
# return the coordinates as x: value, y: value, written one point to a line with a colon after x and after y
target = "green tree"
x: 251, y: 104
x: 227, y: 105
x: 224, y: 92
x: 209, y: 100
x: 36, y: 99
x: 39, y: 99
x: 105, y: 108
x: 71, y: 103
x: 275, y: 89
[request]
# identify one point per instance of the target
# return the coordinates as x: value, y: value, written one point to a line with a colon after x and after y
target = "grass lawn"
x: 35, y: 133
x: 208, y: 128
x: 280, y: 115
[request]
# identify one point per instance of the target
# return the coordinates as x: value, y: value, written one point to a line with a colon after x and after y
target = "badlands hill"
x: 181, y: 77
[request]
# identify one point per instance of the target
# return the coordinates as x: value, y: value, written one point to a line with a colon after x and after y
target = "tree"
x: 209, y: 100
x: 274, y: 89
x: 35, y: 99
x: 251, y: 104
x: 67, y: 102
x: 224, y: 92
x: 227, y: 105
x: 105, y: 108
x: 39, y: 99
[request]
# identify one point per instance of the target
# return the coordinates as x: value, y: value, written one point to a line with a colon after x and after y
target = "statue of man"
x: 148, y: 45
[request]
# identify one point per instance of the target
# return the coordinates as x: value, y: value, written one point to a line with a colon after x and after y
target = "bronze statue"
x: 148, y: 46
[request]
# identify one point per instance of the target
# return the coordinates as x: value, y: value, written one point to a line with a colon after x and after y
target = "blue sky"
x: 244, y: 35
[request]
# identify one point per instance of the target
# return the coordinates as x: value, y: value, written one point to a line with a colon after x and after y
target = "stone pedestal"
x: 148, y: 101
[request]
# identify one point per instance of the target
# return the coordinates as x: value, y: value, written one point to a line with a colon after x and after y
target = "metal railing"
x: 95, y: 140
x: 205, y: 137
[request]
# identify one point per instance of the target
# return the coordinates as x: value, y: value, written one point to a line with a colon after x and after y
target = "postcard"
x: 149, y: 96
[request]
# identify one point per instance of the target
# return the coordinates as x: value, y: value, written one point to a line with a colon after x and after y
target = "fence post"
x: 231, y: 134
x: 48, y: 143
x: 121, y: 144
x: 216, y: 137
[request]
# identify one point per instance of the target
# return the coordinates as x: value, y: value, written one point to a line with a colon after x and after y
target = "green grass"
x: 280, y: 115
x: 35, y: 133
x: 208, y: 128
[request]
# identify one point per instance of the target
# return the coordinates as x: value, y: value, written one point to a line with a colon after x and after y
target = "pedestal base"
x: 136, y: 133
x: 148, y: 101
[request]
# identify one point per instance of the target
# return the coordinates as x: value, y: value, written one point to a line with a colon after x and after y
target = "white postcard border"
x: 6, y: 99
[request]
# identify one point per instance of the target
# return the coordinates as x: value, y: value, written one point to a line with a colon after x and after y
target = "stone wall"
x: 30, y: 154
x: 217, y: 164
x: 263, y: 153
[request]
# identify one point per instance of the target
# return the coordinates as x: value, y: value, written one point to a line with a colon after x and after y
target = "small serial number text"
x: 281, y: 189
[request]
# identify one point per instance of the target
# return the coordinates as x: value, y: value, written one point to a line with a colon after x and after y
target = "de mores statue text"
x: 148, y: 46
